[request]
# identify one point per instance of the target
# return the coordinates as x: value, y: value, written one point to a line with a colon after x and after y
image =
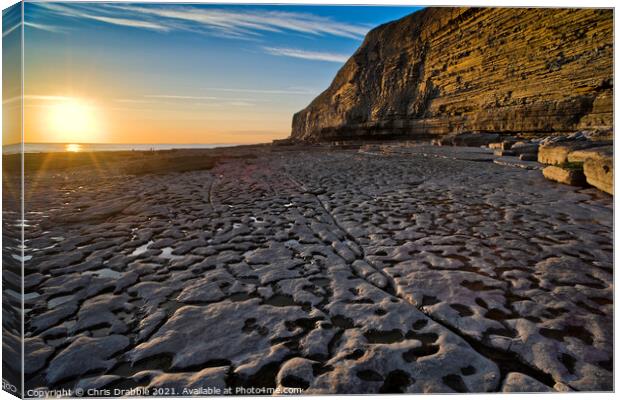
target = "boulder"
x: 598, y: 153
x: 557, y: 153
x: 599, y: 173
x: 573, y: 177
x: 505, y: 144
x: 524, y: 147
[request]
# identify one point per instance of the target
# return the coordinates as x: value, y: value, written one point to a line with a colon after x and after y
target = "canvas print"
x: 277, y: 199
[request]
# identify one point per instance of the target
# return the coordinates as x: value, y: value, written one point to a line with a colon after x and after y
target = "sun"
x: 73, y: 148
x: 74, y: 120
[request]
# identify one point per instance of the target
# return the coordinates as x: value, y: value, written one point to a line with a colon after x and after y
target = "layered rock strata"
x: 447, y: 70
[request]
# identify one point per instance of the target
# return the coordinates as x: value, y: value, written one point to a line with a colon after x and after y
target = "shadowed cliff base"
x: 451, y: 70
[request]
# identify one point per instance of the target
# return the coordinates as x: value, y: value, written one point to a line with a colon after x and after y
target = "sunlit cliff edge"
x: 448, y: 70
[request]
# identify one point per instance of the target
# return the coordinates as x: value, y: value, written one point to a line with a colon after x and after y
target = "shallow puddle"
x: 166, y: 252
x: 105, y: 273
x: 141, y: 249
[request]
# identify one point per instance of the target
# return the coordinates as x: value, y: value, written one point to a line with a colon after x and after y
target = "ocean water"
x: 87, y: 147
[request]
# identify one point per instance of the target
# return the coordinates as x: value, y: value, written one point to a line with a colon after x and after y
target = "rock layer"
x: 446, y: 70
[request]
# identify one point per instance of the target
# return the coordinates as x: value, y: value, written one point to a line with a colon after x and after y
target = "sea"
x: 89, y: 147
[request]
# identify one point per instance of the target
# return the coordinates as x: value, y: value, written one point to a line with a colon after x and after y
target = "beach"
x: 399, y: 268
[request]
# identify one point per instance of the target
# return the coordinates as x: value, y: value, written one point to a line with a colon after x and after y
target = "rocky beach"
x: 440, y: 220
x: 380, y: 268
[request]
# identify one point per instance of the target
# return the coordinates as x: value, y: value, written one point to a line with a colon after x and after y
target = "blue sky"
x: 174, y: 73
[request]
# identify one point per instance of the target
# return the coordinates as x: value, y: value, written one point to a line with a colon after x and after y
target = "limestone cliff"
x: 448, y: 70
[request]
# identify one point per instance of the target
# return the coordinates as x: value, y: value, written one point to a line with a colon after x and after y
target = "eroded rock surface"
x: 445, y: 70
x: 430, y: 269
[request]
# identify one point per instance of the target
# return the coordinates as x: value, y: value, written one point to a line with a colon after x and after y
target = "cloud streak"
x: 250, y: 24
x: 307, y: 55
x: 178, y: 97
x: 43, y: 27
x: 98, y: 14
x: 37, y: 97
x: 289, y: 91
x: 8, y: 31
x: 170, y: 99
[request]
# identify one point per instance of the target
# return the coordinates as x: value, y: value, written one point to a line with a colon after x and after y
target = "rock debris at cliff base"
x: 332, y: 271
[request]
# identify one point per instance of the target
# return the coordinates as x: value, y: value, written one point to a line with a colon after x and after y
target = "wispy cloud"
x: 128, y: 22
x: 308, y: 55
x: 43, y: 27
x: 179, y: 97
x: 292, y: 91
x: 37, y: 97
x: 257, y: 21
x: 222, y: 22
x: 99, y: 14
x: 11, y: 29
x: 198, y: 101
x: 47, y: 98
x: 240, y: 103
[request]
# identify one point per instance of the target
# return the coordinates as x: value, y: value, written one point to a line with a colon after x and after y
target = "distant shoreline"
x: 32, y: 148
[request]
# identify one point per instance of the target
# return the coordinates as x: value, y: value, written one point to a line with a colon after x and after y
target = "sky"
x: 174, y: 73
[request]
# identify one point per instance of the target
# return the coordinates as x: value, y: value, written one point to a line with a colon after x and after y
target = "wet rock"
x: 202, y: 291
x: 97, y: 382
x: 98, y: 212
x: 296, y: 372
x: 218, y: 337
x: 517, y: 382
x: 150, y: 323
x: 100, y: 311
x: 512, y: 268
x: 378, y: 280
x: 52, y: 317
x: 84, y: 355
x: 36, y: 354
x: 191, y: 383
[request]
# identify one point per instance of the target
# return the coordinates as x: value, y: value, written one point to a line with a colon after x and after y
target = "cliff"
x: 449, y: 70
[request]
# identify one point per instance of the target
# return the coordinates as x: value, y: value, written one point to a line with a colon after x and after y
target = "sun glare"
x: 73, y: 148
x: 74, y: 120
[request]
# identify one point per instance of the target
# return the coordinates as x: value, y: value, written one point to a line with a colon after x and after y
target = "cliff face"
x: 449, y: 70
